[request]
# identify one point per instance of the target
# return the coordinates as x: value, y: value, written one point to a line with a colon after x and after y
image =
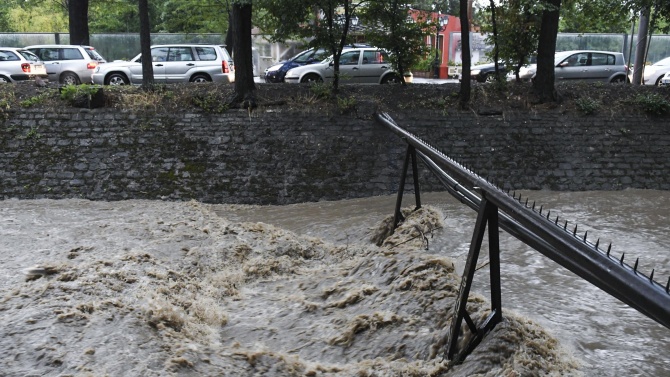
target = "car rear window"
x: 206, y: 53
x: 72, y: 54
x: 8, y: 56
x: 602, y: 59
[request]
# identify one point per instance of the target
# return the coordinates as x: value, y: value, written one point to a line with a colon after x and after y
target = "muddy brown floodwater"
x: 150, y: 288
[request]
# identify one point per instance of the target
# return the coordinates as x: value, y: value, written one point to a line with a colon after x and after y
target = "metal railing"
x: 550, y: 236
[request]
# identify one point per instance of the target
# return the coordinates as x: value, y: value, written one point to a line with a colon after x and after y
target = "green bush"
x: 587, y: 105
x: 652, y: 103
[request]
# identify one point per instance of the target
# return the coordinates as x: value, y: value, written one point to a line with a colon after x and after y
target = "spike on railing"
x: 574, y: 232
x: 526, y: 203
x: 541, y: 210
x: 556, y: 222
x: 585, y: 234
x: 597, y: 243
x: 565, y: 226
x: 608, y: 249
x: 533, y: 208
x: 622, y: 255
x: 651, y: 277
x: 637, y: 260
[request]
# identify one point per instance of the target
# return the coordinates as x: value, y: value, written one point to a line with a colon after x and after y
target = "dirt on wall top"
x: 580, y: 97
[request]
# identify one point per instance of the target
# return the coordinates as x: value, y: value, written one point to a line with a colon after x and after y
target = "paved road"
x: 417, y: 80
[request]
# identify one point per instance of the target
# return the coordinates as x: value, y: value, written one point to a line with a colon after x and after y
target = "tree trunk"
x: 641, y: 49
x: 78, y: 20
x: 546, y: 49
x: 145, y: 46
x: 245, y: 88
x: 465, y: 54
x: 229, y: 33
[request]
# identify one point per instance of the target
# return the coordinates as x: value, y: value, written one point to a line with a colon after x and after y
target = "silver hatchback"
x: 17, y: 64
x: 68, y: 64
x: 590, y: 66
x: 172, y: 64
x: 363, y: 65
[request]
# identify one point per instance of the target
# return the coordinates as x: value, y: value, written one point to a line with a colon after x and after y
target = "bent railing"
x: 551, y: 237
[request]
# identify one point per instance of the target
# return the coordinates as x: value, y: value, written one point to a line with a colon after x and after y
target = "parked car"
x: 654, y: 73
x: 172, y: 64
x: 665, y: 80
x: 486, y: 72
x: 18, y: 64
x: 276, y: 72
x: 368, y: 65
x: 590, y: 66
x: 68, y: 64
x: 582, y: 65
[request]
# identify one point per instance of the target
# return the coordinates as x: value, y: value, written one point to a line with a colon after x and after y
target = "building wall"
x: 277, y: 156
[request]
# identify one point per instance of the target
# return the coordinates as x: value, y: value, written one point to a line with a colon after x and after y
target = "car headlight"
x: 474, y: 72
x: 273, y: 68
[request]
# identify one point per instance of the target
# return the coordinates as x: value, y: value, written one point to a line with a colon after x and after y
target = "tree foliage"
x: 518, y: 28
x: 389, y: 27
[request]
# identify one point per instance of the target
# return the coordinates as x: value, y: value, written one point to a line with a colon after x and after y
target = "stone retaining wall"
x: 278, y: 156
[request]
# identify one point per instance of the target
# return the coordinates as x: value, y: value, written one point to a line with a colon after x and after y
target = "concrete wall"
x: 278, y: 156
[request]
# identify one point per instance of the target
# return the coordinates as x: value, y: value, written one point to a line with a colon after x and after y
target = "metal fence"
x: 124, y: 46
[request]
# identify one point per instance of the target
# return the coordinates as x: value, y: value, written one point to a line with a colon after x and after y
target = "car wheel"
x: 116, y: 79
x: 69, y: 78
x: 311, y: 78
x: 618, y: 79
x: 4, y: 80
x: 391, y: 79
x: 489, y: 78
x: 200, y: 78
x: 658, y: 82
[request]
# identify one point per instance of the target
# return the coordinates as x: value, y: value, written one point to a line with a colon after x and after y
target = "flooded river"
x: 150, y: 288
x: 611, y: 338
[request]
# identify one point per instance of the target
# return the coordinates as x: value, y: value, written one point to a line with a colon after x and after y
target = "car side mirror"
x: 564, y: 64
x: 332, y: 63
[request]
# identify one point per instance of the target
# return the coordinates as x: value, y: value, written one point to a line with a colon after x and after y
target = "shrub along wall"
x: 280, y: 156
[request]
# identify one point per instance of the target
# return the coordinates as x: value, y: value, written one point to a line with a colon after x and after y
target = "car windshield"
x: 93, y: 54
x: 310, y: 56
x: 28, y: 55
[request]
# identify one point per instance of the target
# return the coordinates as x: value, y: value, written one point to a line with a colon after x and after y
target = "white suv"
x: 17, y: 64
x: 363, y: 65
x: 171, y: 64
x: 68, y: 64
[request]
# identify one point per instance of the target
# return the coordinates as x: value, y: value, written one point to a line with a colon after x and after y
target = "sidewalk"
x: 422, y: 80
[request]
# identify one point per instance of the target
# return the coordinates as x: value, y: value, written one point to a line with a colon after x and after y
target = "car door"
x: 573, y: 67
x: 602, y: 66
x: 159, y: 56
x: 350, y: 66
x: 373, y: 65
x: 51, y: 58
x: 179, y: 63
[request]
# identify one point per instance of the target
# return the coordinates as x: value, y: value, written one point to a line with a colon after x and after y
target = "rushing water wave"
x: 146, y: 288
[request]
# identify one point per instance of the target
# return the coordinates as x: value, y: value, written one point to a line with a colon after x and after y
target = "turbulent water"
x: 147, y: 288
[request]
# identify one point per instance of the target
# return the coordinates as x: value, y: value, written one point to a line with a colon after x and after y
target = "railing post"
x: 411, y: 154
x: 488, y: 213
